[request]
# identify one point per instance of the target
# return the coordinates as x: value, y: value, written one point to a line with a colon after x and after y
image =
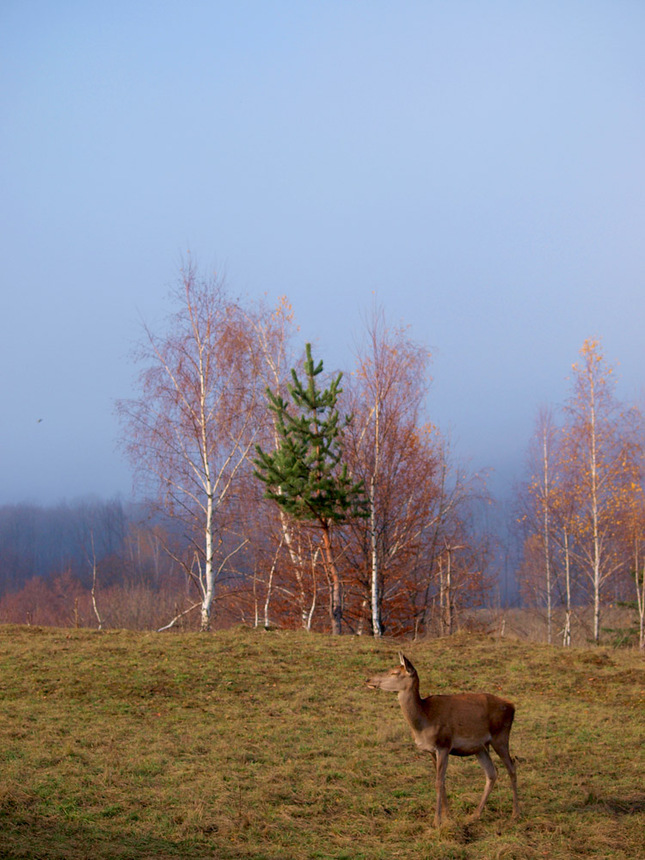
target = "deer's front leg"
x: 441, y: 761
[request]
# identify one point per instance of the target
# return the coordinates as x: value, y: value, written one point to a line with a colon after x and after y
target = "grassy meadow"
x: 253, y: 744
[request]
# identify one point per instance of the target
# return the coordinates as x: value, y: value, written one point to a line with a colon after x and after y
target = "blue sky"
x: 479, y: 166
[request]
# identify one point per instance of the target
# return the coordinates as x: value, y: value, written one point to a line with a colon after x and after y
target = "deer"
x: 461, y: 724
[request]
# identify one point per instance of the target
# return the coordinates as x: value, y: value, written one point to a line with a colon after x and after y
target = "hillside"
x: 247, y: 744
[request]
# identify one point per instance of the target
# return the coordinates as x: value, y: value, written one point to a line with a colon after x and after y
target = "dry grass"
x: 248, y: 744
x: 619, y: 625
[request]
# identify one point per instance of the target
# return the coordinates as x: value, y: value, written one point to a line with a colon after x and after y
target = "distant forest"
x: 65, y: 565
x: 108, y: 564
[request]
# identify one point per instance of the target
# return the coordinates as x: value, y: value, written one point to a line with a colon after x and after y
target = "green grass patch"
x: 247, y: 744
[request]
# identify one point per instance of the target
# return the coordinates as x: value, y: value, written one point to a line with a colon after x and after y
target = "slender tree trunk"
x: 209, y: 574
x: 94, y: 602
x: 639, y: 582
x: 596, y: 569
x: 308, y: 614
x: 377, y: 628
x: 269, y: 588
x: 566, y: 636
x: 336, y: 591
x: 596, y: 601
x: 297, y: 560
x: 209, y: 577
x: 595, y: 521
x: 256, y: 607
x: 448, y: 595
x: 640, y: 594
x: 442, y: 598
x: 95, y: 586
x: 267, y: 602
x: 547, y: 552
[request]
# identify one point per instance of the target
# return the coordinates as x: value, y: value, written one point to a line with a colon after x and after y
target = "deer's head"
x: 397, y: 679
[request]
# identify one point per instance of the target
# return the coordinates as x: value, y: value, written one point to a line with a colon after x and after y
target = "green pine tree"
x: 305, y: 474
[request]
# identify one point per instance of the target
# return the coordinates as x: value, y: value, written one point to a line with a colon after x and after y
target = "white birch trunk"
x: 641, y: 608
x: 94, y: 586
x: 377, y: 629
x: 448, y: 595
x: 547, y: 553
x: 269, y: 590
x: 209, y: 572
x: 566, y: 635
x: 296, y: 556
x: 639, y: 582
x: 596, y: 562
x: 442, y: 598
x: 209, y: 578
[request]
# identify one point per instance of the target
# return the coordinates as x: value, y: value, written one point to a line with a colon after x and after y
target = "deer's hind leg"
x: 483, y: 757
x: 500, y: 745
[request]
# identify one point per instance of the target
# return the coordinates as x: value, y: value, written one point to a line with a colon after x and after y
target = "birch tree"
x: 190, y: 430
x: 564, y: 517
x: 602, y: 469
x: 539, y: 519
x: 388, y: 447
x: 547, y: 517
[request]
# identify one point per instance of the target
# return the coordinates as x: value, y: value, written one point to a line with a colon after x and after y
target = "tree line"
x: 380, y: 535
x: 276, y: 493
x: 369, y: 527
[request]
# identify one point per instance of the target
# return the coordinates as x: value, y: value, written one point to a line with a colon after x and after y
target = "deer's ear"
x: 409, y: 668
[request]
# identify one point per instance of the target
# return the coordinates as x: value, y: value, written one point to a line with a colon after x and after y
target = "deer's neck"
x: 410, y: 702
